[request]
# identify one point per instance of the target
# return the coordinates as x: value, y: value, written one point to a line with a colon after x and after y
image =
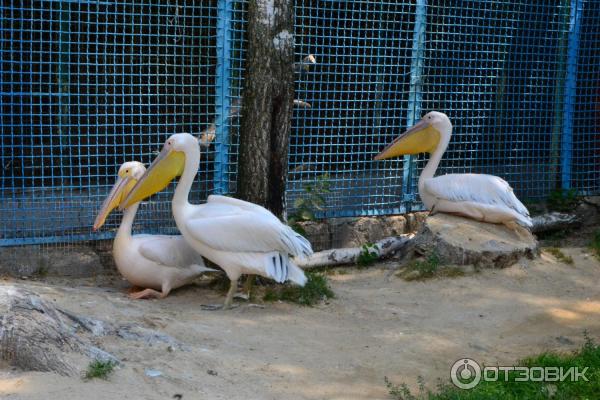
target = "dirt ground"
x: 378, y: 325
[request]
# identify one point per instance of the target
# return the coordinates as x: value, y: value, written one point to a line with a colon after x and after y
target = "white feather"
x: 477, y: 188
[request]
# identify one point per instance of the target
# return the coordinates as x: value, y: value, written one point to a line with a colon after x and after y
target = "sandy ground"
x: 376, y: 326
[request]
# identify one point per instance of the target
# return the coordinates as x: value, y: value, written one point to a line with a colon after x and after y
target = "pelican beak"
x: 421, y: 138
x: 165, y: 167
x: 118, y: 192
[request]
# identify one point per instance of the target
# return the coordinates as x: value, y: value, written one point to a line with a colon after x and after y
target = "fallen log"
x: 554, y: 221
x: 35, y: 336
x: 349, y: 255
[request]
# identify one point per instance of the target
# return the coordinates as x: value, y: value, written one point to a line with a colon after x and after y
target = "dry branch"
x: 554, y: 221
x: 383, y: 248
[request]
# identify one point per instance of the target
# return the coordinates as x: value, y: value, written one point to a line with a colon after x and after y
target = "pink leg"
x: 147, y: 294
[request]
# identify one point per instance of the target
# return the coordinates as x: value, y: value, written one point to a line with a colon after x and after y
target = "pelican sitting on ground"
x: 481, y: 197
x: 158, y: 263
x: 240, y: 237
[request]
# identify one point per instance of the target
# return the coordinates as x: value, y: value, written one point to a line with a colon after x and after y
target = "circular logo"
x: 465, y: 373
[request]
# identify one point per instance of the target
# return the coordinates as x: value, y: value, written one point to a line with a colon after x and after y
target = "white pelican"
x: 481, y: 197
x: 240, y: 237
x: 158, y: 263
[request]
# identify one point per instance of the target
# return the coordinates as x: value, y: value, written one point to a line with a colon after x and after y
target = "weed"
x: 100, y: 369
x: 595, y: 244
x: 562, y: 200
x: 428, y: 268
x: 368, y: 255
x: 316, y: 289
x: 559, y: 255
x: 421, y: 269
x: 314, y: 201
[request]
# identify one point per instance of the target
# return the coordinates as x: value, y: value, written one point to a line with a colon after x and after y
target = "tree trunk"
x: 267, y: 104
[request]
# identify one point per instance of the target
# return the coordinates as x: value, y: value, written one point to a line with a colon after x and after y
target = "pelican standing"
x: 481, y: 197
x: 158, y: 263
x: 240, y: 237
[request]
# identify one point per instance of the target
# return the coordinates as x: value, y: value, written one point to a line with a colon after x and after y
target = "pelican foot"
x: 147, y: 294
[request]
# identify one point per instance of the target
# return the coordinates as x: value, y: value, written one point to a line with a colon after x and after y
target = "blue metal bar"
x: 223, y: 92
x: 415, y: 96
x: 570, y: 92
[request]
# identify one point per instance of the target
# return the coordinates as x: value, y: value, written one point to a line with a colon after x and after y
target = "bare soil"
x: 378, y: 325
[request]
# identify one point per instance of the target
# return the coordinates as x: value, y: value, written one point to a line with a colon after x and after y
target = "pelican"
x: 481, y: 197
x: 240, y: 237
x: 158, y: 263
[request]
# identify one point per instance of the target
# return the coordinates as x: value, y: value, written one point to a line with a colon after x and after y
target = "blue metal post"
x: 570, y: 92
x: 223, y: 91
x: 415, y: 96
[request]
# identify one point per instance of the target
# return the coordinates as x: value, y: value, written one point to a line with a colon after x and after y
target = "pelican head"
x: 129, y: 173
x: 424, y: 137
x: 169, y: 164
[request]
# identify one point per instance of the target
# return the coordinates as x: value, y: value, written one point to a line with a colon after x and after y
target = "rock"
x: 592, y: 200
x: 588, y: 212
x: 354, y: 232
x: 463, y: 241
x: 318, y: 234
x: 74, y: 261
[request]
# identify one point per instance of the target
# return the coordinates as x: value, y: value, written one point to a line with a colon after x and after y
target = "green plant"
x: 316, y: 289
x: 313, y: 201
x: 595, y: 244
x: 368, y: 255
x: 559, y: 255
x: 100, y: 369
x: 562, y: 200
x: 588, y: 355
x: 421, y: 269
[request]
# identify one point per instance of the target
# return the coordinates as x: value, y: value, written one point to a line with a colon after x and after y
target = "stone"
x: 354, y: 232
x: 74, y: 261
x: 317, y: 232
x: 463, y: 241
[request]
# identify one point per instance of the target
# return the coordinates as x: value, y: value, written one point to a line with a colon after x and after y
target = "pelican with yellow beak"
x: 240, y: 237
x: 158, y: 263
x: 481, y: 197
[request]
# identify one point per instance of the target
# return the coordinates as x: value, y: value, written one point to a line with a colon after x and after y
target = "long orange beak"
x: 165, y: 167
x: 118, y: 192
x: 421, y: 138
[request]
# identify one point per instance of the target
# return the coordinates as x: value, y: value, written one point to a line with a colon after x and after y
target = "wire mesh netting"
x: 499, y: 69
x: 88, y: 85
x: 358, y: 92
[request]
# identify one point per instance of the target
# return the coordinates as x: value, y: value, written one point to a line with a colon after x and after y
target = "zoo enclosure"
x: 87, y: 85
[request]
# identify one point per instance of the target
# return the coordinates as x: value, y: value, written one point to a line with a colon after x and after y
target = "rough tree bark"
x: 267, y: 105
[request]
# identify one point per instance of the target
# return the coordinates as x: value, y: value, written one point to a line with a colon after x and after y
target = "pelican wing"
x: 479, y: 188
x: 215, y: 199
x: 227, y: 227
x: 168, y: 250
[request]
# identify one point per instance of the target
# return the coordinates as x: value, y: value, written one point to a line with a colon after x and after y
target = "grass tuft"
x: 368, y: 255
x: 587, y: 356
x: 429, y: 268
x: 316, y: 289
x: 595, y: 244
x: 559, y: 255
x: 100, y: 369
